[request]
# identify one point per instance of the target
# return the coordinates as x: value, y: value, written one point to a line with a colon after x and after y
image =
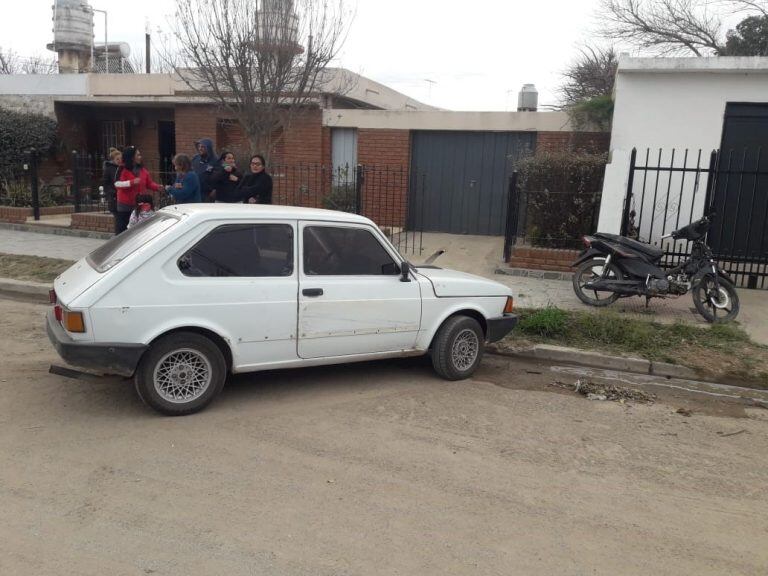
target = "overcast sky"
x: 476, y: 54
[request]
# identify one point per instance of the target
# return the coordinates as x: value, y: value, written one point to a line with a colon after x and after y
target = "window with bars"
x: 112, y: 135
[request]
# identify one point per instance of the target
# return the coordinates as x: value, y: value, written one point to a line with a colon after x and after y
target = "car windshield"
x: 125, y: 244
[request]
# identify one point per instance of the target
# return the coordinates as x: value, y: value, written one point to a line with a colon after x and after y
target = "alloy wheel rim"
x: 182, y: 376
x: 465, y: 349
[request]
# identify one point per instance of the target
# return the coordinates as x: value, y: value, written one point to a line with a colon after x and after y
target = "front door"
x: 741, y: 194
x: 351, y: 298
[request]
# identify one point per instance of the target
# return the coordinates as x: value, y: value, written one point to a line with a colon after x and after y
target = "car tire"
x: 458, y: 348
x: 180, y: 374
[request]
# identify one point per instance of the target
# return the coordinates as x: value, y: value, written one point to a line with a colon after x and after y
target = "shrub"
x: 561, y: 193
x: 18, y: 133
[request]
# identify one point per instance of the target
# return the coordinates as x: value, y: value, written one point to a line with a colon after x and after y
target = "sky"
x: 454, y: 55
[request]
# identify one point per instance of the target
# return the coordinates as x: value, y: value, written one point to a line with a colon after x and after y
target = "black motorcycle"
x: 614, y: 267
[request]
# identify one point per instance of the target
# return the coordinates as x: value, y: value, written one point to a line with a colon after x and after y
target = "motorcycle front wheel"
x: 716, y: 304
x: 590, y: 271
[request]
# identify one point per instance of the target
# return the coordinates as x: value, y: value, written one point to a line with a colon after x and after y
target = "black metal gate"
x: 669, y: 189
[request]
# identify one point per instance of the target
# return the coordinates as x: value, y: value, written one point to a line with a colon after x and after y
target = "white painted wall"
x: 672, y: 103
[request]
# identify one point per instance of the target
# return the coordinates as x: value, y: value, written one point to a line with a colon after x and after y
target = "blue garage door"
x: 465, y: 176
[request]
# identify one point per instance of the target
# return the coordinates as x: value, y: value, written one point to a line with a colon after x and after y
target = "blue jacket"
x: 204, y: 166
x: 189, y: 191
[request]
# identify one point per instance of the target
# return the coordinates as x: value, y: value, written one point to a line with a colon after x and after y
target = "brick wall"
x: 576, y: 141
x: 385, y: 195
x: 19, y: 215
x: 194, y: 122
x: 542, y: 258
x: 93, y: 221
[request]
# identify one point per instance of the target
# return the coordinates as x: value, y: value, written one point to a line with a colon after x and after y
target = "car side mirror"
x: 405, y: 271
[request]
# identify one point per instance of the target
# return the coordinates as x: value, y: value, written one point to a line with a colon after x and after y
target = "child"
x: 145, y: 208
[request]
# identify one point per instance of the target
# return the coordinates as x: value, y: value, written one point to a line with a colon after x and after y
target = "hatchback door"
x: 351, y: 297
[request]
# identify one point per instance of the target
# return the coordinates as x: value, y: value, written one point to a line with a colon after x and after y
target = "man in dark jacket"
x: 203, y: 164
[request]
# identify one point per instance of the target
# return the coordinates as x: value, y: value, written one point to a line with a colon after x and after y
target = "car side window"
x: 338, y: 251
x: 242, y: 250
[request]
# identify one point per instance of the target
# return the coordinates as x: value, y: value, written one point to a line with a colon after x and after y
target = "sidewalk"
x: 45, y: 244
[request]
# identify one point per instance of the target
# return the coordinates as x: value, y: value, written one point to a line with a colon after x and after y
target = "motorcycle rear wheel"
x: 593, y: 270
x: 716, y: 305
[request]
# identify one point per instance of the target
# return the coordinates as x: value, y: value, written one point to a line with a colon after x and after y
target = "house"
x: 455, y: 163
x: 675, y: 112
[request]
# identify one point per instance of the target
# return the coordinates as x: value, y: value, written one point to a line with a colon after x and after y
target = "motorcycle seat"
x: 652, y: 252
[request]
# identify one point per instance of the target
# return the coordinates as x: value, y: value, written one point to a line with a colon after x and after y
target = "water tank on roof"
x: 277, y: 26
x: 72, y: 25
x: 528, y: 99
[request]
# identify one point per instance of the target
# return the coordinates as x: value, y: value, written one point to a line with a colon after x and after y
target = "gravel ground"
x: 372, y: 469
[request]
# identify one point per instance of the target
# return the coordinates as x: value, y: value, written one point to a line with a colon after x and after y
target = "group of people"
x: 203, y: 178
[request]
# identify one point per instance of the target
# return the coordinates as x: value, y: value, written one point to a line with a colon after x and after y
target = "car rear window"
x: 125, y: 244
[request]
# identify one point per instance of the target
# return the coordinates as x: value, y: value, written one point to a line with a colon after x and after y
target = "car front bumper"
x: 500, y: 327
x: 108, y: 358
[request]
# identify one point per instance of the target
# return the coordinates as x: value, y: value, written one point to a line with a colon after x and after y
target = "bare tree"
x: 38, y: 65
x: 9, y: 62
x: 664, y: 26
x: 12, y: 63
x: 260, y: 62
x: 591, y: 74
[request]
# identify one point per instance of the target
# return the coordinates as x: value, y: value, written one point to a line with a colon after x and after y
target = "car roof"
x: 262, y: 211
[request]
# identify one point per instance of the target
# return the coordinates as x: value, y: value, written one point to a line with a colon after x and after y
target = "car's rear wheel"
x: 180, y: 374
x: 458, y: 348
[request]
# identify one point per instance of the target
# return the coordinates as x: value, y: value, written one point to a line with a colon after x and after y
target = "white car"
x: 199, y: 291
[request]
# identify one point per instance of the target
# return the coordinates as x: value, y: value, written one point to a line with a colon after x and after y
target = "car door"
x: 351, y: 297
x: 243, y: 278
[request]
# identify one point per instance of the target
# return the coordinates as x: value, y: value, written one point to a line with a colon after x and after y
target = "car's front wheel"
x: 180, y: 374
x: 458, y: 348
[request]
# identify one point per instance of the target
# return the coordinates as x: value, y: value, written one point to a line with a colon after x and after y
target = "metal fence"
x: 388, y: 195
x: 549, y: 218
x: 668, y: 189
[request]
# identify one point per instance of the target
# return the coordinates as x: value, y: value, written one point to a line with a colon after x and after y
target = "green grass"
x: 718, y: 350
x: 31, y: 268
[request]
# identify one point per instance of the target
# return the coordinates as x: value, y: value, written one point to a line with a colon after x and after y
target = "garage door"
x: 461, y: 179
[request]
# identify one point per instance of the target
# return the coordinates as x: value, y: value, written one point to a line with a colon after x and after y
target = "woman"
x: 186, y: 189
x: 226, y: 179
x: 133, y: 179
x: 256, y: 187
x: 110, y: 172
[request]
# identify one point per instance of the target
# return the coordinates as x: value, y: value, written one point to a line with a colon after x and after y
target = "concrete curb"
x: 55, y: 230
x: 540, y: 274
x: 598, y: 360
x: 21, y: 289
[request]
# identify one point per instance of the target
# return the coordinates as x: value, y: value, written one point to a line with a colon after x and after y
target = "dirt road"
x: 370, y: 469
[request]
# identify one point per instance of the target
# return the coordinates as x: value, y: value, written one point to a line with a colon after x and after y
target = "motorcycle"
x: 613, y: 267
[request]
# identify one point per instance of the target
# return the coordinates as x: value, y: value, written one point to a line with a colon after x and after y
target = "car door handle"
x: 313, y: 292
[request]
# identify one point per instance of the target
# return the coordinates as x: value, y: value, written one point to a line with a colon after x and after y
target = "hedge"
x: 560, y: 196
x: 18, y: 133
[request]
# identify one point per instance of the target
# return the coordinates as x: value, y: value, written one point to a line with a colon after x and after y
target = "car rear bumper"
x: 109, y: 358
x: 500, y: 327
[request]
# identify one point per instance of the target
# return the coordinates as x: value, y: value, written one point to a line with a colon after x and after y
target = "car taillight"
x: 52, y: 296
x: 73, y: 321
x: 509, y: 306
x: 57, y: 311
